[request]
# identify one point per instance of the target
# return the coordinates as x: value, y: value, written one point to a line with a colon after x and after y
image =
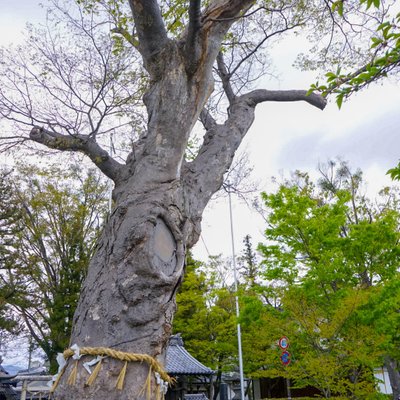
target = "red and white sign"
x: 283, y: 343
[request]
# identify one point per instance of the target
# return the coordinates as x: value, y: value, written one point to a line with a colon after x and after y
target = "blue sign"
x: 285, y: 358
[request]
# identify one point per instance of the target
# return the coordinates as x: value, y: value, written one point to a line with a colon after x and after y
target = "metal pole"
x: 24, y: 390
x: 30, y: 353
x: 239, y: 335
x: 110, y: 181
x: 289, y: 393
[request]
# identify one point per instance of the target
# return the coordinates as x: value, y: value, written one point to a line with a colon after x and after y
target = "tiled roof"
x: 8, y: 392
x: 180, y: 362
x: 201, y: 396
x: 4, y: 375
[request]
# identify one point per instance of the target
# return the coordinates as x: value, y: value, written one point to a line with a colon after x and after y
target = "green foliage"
x: 205, y: 316
x: 10, y: 216
x: 262, y: 326
x: 175, y: 15
x: 248, y: 265
x: 61, y: 219
x: 385, y: 58
x: 381, y: 312
x: 331, y: 258
x: 332, y: 350
x: 394, y: 173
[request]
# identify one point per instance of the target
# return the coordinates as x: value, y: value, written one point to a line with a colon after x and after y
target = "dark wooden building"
x: 7, y: 391
x: 192, y: 378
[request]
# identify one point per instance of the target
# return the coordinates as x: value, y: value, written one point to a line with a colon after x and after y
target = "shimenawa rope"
x: 162, y: 379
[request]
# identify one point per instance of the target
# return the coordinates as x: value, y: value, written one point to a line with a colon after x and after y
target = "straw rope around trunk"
x: 162, y: 378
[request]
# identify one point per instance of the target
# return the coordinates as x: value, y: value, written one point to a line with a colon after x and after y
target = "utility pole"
x: 239, y: 335
x: 111, y: 185
x: 30, y: 351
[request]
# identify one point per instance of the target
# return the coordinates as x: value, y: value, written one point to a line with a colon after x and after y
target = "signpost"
x: 283, y: 343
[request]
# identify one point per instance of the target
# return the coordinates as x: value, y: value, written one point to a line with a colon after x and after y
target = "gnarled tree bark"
x: 127, y: 302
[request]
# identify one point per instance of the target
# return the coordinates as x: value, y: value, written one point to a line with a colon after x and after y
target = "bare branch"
x: 260, y: 44
x: 46, y: 82
x: 262, y: 95
x: 225, y: 77
x: 83, y: 144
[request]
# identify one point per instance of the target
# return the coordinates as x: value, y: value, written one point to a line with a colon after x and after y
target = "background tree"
x: 10, y: 216
x: 381, y: 312
x: 329, y: 249
x: 186, y: 49
x: 60, y: 220
x: 249, y: 265
x: 206, y: 317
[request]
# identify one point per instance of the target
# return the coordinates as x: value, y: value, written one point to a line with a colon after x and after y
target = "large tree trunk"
x: 127, y: 302
x: 128, y: 299
x: 392, y: 367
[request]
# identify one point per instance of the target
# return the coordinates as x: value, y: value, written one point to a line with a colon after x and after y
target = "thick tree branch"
x: 194, y: 17
x: 206, y: 30
x: 225, y: 78
x: 222, y: 140
x: 217, y: 151
x: 83, y: 144
x: 150, y: 28
x: 262, y: 95
x: 227, y: 11
x: 192, y: 45
x: 207, y: 119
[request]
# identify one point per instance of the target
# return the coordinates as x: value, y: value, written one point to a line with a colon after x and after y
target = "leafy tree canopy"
x: 206, y: 316
x: 10, y: 216
x: 331, y: 259
x: 59, y: 223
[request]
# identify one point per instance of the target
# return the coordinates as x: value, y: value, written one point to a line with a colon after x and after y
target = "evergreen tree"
x: 206, y: 317
x: 10, y: 217
x: 59, y: 223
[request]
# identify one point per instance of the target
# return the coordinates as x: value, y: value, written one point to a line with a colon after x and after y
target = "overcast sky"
x: 284, y: 137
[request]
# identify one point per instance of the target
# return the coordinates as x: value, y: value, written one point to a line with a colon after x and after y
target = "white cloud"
x: 14, y: 16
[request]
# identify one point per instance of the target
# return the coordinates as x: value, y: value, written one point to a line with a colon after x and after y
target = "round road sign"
x: 283, y: 342
x: 285, y: 358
